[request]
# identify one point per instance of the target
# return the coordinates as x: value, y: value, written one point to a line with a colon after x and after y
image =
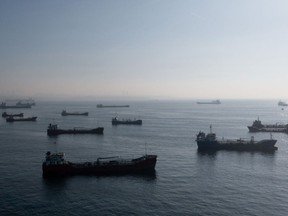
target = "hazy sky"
x: 155, y: 49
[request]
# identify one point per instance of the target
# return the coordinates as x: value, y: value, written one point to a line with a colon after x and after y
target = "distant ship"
x: 209, y: 102
x: 29, y: 102
x: 257, y: 126
x: 53, y: 130
x: 110, y: 106
x: 6, y: 115
x: 116, y: 121
x: 209, y: 142
x: 12, y: 119
x: 64, y: 113
x: 281, y: 103
x: 55, y: 165
x: 4, y: 106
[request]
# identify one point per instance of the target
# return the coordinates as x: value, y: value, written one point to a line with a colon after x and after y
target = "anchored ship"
x: 6, y: 115
x: 210, y: 142
x: 281, y: 103
x: 110, y: 106
x: 53, y: 130
x: 12, y: 119
x: 3, y: 105
x: 257, y: 126
x: 209, y: 102
x: 116, y: 121
x: 56, y: 165
x: 64, y: 113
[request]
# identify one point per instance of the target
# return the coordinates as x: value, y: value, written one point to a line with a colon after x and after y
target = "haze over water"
x: 162, y: 49
x: 186, y: 182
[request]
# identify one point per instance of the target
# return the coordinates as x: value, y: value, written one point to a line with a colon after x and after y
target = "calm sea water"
x: 186, y: 182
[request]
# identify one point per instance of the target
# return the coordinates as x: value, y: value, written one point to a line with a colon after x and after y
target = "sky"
x: 152, y: 49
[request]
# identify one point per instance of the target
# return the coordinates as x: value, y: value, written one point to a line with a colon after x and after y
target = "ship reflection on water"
x: 213, y: 153
x: 61, y: 183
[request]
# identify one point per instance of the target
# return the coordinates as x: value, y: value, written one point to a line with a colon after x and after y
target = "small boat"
x: 64, y: 113
x: 209, y: 102
x: 11, y: 119
x: 116, y: 121
x: 210, y: 142
x: 281, y: 103
x: 3, y: 105
x: 53, y: 130
x: 55, y: 165
x: 6, y: 115
x: 110, y: 106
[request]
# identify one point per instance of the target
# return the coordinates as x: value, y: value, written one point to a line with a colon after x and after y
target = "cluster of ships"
x: 55, y: 164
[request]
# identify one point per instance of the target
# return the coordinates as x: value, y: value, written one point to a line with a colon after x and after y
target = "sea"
x: 186, y: 182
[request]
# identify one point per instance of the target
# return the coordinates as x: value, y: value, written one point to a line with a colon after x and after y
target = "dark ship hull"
x: 278, y: 129
x: 257, y: 126
x: 210, y: 142
x: 142, y: 165
x: 129, y: 122
x: 5, y: 115
x: 263, y: 145
x: 56, y: 132
x: 15, y: 107
x: 20, y: 119
x: 209, y: 102
x: 111, y: 106
x: 74, y: 114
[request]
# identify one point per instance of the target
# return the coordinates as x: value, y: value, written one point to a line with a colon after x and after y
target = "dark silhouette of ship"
x: 3, y: 105
x: 6, y: 115
x: 64, y: 113
x: 26, y: 103
x: 281, y: 103
x: 110, y: 106
x: 257, y: 126
x: 209, y: 102
x: 53, y: 130
x: 12, y: 119
x: 116, y: 121
x: 210, y: 142
x: 55, y: 165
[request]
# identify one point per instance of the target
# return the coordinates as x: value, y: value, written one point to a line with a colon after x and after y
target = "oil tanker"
x: 111, y: 106
x: 116, y: 121
x: 55, y: 165
x: 64, y: 113
x: 210, y: 142
x: 53, y: 130
x: 257, y: 126
x: 6, y: 115
x: 12, y: 119
x: 20, y: 106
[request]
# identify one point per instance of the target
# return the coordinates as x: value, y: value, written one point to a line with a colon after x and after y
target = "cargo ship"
x: 281, y: 103
x: 25, y: 103
x: 12, y: 119
x: 210, y: 142
x: 257, y: 126
x: 209, y: 102
x: 64, y: 113
x: 55, y: 165
x: 53, y: 130
x: 3, y: 105
x: 6, y: 115
x: 116, y: 121
x: 110, y: 106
